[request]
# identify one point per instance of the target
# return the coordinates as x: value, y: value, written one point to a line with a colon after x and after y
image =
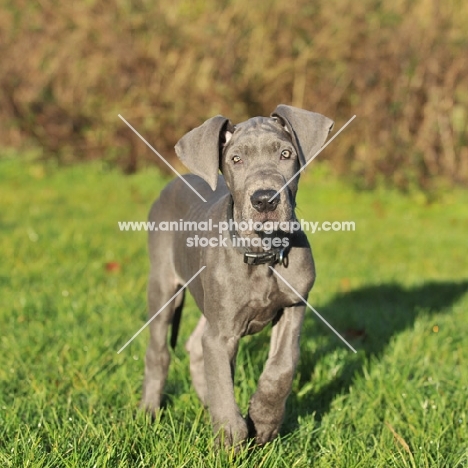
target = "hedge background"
x: 68, y: 69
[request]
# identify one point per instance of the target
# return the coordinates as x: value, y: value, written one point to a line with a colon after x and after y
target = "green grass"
x: 67, y: 399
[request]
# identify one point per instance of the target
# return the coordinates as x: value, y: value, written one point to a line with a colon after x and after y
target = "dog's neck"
x: 257, y: 255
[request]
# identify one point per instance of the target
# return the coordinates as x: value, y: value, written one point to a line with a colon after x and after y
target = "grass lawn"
x: 72, y: 292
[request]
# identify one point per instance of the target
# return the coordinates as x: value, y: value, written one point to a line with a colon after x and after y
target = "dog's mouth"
x: 264, y: 211
x: 267, y: 225
x: 278, y: 219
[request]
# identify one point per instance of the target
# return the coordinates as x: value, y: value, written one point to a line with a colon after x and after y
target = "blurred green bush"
x: 68, y: 68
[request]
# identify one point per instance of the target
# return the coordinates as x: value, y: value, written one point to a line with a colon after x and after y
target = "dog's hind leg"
x: 197, y: 367
x: 157, y: 355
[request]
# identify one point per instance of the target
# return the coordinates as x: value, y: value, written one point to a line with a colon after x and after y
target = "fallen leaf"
x: 112, y: 267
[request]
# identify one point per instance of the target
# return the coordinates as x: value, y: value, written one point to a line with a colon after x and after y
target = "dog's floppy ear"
x: 199, y: 149
x: 308, y: 130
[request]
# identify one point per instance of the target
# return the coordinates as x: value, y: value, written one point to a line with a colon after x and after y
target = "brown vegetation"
x: 68, y: 68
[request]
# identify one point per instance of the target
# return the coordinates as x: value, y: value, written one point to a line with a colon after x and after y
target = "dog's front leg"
x: 219, y: 355
x: 266, y: 409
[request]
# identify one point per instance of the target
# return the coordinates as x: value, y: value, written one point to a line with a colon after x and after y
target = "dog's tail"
x: 176, y: 320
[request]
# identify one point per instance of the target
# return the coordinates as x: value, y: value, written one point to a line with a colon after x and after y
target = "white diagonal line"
x: 312, y: 158
x: 313, y: 310
x: 160, y: 157
x: 161, y: 309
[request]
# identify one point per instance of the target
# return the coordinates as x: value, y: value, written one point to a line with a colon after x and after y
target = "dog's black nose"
x: 261, y: 200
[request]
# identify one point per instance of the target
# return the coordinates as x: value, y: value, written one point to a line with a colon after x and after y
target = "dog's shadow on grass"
x: 368, y: 317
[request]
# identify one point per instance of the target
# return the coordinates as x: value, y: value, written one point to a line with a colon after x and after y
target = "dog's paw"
x: 233, y: 434
x: 262, y: 432
x: 264, y: 422
x: 151, y: 406
x: 266, y: 433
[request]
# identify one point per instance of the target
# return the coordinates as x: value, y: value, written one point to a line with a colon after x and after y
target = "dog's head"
x: 257, y: 158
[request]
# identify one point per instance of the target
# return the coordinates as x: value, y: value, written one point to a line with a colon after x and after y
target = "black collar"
x: 274, y: 255
x: 271, y: 257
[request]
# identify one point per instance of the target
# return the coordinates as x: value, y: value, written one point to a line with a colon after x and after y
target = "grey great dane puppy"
x: 237, y: 291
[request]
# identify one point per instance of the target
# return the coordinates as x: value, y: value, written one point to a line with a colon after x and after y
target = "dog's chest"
x: 260, y: 305
x: 257, y: 316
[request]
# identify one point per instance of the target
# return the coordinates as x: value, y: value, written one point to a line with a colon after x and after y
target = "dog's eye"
x: 285, y: 154
x: 236, y: 159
